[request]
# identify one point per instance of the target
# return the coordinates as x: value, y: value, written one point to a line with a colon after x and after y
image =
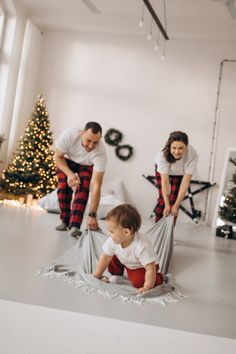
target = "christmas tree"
x: 228, y: 209
x: 33, y: 169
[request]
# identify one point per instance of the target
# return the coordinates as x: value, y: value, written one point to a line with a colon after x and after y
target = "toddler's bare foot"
x: 105, y: 279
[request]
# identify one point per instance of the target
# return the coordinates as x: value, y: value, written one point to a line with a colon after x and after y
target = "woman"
x: 175, y: 165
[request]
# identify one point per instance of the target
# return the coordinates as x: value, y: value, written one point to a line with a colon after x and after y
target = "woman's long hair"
x: 174, y: 136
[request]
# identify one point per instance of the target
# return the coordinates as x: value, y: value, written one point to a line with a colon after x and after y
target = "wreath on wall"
x: 113, y: 137
x: 124, y: 152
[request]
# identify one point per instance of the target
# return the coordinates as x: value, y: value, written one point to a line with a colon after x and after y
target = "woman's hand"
x: 166, y: 210
x: 175, y: 210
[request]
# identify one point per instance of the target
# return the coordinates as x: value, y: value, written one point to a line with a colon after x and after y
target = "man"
x: 80, y: 158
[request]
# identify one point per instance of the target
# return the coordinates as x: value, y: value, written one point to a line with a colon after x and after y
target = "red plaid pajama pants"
x: 72, y: 211
x: 136, y: 276
x: 175, y: 182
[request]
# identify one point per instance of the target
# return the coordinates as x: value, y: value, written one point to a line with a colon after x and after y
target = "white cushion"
x: 107, y: 202
x: 116, y: 188
x: 50, y: 202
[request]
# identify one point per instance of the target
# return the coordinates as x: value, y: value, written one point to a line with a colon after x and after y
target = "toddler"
x: 128, y: 249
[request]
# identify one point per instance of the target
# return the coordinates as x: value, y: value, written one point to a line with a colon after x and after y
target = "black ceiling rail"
x: 156, y: 19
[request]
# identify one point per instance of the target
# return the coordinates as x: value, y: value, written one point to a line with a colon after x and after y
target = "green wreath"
x: 113, y: 137
x: 124, y: 152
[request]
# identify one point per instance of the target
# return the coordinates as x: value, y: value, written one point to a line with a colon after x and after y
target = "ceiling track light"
x: 162, y: 30
x: 157, y: 45
x: 149, y: 36
x: 156, y: 19
x: 142, y: 17
x: 163, y: 51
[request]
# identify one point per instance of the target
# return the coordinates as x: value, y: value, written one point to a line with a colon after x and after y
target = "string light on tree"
x: 33, y: 168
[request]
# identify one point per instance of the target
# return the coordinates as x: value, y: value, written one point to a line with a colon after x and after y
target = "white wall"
x: 19, y: 67
x: 26, y: 84
x: 9, y: 66
x: 120, y: 82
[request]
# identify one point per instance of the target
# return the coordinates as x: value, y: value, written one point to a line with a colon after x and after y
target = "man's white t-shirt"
x: 69, y: 143
x: 137, y: 255
x: 186, y: 165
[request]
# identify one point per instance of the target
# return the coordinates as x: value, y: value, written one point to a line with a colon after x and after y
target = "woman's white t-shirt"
x: 69, y: 143
x: 186, y: 165
x: 137, y: 255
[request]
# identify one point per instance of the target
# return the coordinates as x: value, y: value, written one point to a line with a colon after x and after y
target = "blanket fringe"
x: 171, y: 294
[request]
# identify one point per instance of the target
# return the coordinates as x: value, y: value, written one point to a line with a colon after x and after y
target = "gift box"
x: 226, y: 231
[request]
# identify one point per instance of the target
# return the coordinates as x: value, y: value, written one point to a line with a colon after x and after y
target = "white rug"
x: 76, y: 265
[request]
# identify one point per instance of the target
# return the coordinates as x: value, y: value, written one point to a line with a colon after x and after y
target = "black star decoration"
x: 194, y: 214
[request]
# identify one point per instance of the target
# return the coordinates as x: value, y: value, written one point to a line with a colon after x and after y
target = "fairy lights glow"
x: 33, y: 168
x: 18, y: 204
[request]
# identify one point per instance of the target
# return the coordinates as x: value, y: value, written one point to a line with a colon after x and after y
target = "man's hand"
x: 92, y: 223
x: 73, y: 180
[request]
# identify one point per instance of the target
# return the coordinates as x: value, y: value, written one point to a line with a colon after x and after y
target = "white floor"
x: 30, y: 329
x: 204, y: 267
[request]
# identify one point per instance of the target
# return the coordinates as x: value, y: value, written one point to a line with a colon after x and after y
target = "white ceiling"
x: 200, y: 19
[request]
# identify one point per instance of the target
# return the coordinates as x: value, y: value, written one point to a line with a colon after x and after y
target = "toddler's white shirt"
x: 137, y: 255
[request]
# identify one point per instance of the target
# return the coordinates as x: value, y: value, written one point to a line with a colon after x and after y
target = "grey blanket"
x: 76, y: 265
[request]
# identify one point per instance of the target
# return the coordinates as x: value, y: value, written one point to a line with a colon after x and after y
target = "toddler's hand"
x: 95, y: 276
x: 143, y: 290
x: 102, y: 278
